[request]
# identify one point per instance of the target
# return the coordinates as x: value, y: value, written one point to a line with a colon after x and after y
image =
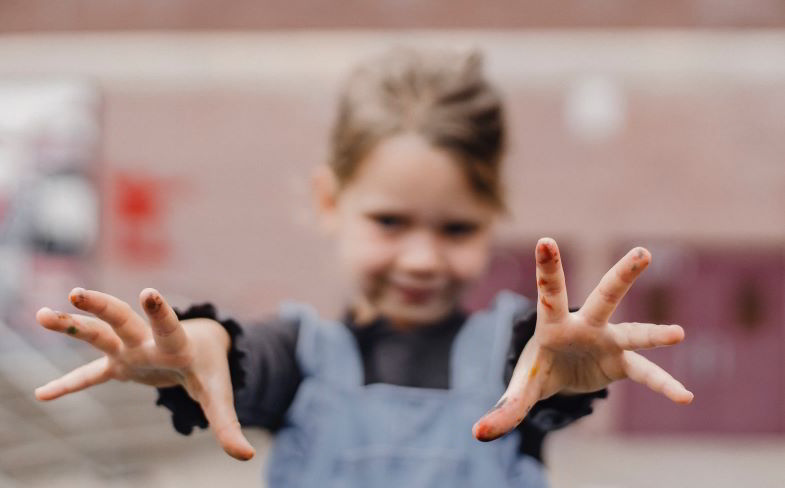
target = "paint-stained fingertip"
x: 77, y: 296
x: 546, y: 250
x: 686, y: 398
x: 546, y: 242
x: 483, y: 431
x: 642, y: 254
x: 149, y: 292
x: 243, y: 454
x: 151, y: 299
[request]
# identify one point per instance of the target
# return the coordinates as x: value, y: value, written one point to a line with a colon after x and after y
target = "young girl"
x: 394, y: 393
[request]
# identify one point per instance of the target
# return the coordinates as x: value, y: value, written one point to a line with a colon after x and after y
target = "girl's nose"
x: 421, y: 254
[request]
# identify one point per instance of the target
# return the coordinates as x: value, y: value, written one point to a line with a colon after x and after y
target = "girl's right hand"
x: 192, y: 354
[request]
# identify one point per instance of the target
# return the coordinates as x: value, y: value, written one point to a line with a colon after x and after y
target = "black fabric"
x: 269, y: 354
x: 417, y: 357
x: 265, y: 376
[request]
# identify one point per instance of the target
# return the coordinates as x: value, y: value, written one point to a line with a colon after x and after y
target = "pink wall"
x: 223, y: 131
x: 79, y: 15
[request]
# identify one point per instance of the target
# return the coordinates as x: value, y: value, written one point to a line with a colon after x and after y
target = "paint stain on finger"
x: 534, y: 370
x: 545, y: 303
x: 71, y: 330
x: 153, y: 303
x: 545, y: 253
x: 78, y: 299
x: 639, y: 253
x: 485, y: 431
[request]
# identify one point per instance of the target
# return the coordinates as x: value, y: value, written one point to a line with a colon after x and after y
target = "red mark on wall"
x: 139, y: 204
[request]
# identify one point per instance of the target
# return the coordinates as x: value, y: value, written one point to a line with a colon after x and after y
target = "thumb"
x: 524, y: 390
x: 218, y: 405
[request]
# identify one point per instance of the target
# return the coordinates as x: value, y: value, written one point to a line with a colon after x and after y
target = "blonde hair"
x: 440, y: 95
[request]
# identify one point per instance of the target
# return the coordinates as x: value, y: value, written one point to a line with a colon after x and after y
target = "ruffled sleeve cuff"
x: 186, y: 412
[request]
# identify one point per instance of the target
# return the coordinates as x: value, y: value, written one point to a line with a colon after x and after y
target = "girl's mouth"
x: 415, y: 295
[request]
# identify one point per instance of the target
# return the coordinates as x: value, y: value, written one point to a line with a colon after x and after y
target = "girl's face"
x: 411, y: 232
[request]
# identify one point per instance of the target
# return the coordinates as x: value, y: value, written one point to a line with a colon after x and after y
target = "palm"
x: 573, y: 352
x: 159, y: 354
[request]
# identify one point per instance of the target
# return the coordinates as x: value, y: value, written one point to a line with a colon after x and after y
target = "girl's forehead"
x: 407, y: 172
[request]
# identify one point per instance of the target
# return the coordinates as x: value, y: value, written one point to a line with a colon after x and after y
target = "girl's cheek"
x: 469, y: 261
x: 366, y: 252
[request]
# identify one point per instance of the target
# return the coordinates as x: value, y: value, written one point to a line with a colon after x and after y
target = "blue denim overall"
x: 339, y: 432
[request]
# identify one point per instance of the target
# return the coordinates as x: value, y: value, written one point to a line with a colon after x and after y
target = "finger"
x: 645, y: 372
x: 92, y: 373
x: 524, y: 390
x: 129, y: 326
x: 633, y: 336
x: 88, y: 329
x: 168, y: 333
x: 217, y: 402
x: 614, y: 285
x: 551, y: 290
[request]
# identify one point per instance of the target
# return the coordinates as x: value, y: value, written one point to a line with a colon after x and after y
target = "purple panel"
x: 731, y: 306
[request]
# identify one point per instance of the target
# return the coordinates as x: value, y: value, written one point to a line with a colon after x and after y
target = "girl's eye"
x: 459, y: 229
x: 389, y: 222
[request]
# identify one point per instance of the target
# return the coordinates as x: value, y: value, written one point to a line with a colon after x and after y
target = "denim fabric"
x: 342, y: 433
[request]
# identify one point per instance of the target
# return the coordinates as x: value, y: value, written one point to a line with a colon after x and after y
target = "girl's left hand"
x: 576, y: 352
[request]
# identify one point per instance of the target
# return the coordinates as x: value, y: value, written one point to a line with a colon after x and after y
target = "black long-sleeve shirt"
x: 265, y: 374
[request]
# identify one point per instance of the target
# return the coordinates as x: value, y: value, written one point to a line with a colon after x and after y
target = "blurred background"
x: 169, y: 144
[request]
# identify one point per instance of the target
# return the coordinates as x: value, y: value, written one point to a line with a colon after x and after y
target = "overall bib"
x: 340, y: 433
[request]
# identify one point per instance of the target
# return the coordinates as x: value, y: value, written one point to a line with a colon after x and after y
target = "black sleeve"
x: 263, y: 368
x: 552, y: 413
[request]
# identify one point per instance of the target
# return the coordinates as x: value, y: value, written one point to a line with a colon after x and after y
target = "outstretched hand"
x: 163, y: 353
x: 575, y: 352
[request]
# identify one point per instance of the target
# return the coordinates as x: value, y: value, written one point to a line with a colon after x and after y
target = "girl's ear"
x: 324, y: 189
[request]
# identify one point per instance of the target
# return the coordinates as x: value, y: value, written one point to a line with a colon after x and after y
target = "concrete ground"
x: 575, y: 461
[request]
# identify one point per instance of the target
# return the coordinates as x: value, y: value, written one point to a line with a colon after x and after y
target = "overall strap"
x: 479, y: 353
x: 325, y: 348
